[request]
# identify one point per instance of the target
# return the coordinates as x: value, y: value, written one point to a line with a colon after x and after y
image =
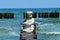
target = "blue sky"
x: 29, y: 3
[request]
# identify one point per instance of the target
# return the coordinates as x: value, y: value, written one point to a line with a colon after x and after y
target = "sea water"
x: 48, y: 30
x: 10, y: 28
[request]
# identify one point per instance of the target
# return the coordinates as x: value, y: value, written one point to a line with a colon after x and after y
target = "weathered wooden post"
x: 29, y: 27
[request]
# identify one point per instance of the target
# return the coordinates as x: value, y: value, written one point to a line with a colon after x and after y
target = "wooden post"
x: 25, y: 35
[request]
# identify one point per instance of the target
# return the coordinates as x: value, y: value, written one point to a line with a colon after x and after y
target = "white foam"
x: 50, y: 32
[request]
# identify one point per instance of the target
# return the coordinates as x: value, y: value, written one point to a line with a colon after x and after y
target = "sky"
x: 29, y: 3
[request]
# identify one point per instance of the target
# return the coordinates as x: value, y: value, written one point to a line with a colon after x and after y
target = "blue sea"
x: 10, y: 28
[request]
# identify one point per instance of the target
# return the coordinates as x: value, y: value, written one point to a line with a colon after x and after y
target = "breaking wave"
x: 48, y: 26
x: 7, y: 32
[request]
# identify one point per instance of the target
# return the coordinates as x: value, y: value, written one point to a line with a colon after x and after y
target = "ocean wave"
x: 13, y: 34
x: 3, y: 29
x: 8, y: 32
x: 50, y: 33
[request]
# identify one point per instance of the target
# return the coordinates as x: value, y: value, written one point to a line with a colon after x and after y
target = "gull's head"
x: 29, y: 12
